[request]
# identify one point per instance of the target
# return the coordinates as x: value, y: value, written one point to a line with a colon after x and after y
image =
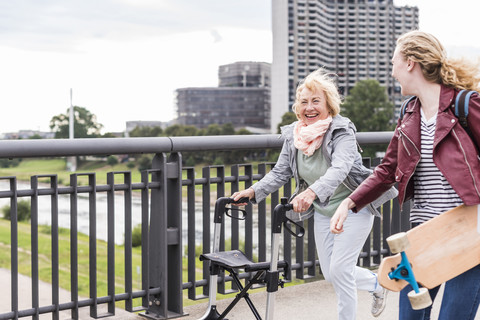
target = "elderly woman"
x: 320, y: 152
x: 431, y: 157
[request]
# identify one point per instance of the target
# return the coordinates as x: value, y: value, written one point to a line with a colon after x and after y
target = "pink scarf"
x: 308, y: 138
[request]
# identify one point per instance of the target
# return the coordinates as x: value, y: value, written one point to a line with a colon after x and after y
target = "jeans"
x: 460, y: 300
x: 338, y: 255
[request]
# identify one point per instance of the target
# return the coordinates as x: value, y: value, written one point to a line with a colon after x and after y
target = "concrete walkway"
x: 315, y: 300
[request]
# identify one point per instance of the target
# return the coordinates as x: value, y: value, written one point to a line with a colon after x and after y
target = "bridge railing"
x: 174, y: 206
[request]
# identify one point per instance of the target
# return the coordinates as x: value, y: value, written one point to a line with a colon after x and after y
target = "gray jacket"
x: 345, y: 166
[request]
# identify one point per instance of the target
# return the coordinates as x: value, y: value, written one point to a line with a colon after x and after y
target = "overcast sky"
x: 124, y: 59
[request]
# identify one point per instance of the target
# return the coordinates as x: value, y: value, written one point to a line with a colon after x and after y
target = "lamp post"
x: 71, y: 161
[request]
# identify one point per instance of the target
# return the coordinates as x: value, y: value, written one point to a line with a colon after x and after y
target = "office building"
x: 354, y: 39
x: 242, y: 99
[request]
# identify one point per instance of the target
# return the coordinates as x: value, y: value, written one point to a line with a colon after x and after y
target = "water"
x: 44, y: 214
x: 45, y: 218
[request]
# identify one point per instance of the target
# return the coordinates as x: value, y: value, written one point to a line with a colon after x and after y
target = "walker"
x: 266, y: 272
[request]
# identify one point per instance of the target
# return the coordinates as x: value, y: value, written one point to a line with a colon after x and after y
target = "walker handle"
x: 280, y: 218
x: 299, y: 234
x: 220, y: 205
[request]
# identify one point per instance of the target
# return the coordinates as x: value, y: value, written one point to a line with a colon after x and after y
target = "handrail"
x: 110, y: 146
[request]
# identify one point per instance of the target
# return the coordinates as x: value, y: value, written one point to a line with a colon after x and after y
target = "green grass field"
x: 30, y: 167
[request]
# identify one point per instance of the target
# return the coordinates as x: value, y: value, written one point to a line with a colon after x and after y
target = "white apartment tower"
x: 353, y: 39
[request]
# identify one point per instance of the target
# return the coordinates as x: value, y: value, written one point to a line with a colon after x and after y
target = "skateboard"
x: 432, y: 253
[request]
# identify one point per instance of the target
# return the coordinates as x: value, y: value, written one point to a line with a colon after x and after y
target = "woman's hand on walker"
x: 336, y: 222
x: 303, y: 200
x: 247, y: 193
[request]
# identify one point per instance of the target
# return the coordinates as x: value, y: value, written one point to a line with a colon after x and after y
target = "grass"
x: 31, y: 167
x: 26, y: 168
x: 45, y: 258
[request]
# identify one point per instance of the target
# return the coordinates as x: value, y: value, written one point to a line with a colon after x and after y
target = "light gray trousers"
x: 338, y: 255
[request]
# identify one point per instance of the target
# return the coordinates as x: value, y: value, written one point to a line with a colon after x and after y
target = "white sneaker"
x: 379, y: 302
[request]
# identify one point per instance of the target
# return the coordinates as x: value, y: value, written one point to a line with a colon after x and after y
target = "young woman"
x: 431, y: 157
x: 320, y: 151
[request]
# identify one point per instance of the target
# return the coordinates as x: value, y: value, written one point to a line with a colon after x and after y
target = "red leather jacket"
x: 454, y: 153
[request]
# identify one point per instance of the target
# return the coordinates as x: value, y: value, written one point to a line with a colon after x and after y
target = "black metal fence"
x: 174, y: 206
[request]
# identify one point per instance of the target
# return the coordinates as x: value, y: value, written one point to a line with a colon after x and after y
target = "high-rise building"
x: 242, y: 99
x: 245, y: 74
x: 354, y: 39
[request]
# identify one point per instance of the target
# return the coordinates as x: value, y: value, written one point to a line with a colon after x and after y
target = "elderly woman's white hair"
x: 320, y: 80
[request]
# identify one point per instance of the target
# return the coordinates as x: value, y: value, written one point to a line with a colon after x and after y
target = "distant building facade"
x: 242, y: 98
x: 355, y: 39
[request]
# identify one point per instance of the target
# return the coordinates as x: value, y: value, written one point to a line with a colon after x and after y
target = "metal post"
x: 174, y: 227
x: 165, y: 263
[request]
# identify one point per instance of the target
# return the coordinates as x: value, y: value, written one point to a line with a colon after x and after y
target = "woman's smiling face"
x: 312, y: 107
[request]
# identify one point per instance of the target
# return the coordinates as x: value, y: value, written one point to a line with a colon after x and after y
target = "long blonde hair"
x: 429, y: 53
x: 317, y: 81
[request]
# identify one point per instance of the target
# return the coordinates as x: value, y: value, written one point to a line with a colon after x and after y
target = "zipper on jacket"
x: 358, y: 145
x: 405, y: 146
x: 404, y: 136
x: 466, y: 161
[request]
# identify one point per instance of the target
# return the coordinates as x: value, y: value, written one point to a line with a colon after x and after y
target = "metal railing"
x: 174, y: 206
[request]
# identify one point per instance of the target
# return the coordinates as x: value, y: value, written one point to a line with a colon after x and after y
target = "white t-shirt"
x: 433, y: 195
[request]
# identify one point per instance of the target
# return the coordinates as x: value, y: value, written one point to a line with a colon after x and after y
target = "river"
x: 44, y: 214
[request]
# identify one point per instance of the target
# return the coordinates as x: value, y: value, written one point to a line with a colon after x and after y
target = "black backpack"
x: 461, y: 108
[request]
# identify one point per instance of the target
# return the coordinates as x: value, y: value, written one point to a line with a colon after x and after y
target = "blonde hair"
x: 426, y: 50
x: 318, y: 81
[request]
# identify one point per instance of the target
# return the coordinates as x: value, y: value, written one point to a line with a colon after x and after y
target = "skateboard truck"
x: 404, y: 272
x: 419, y: 297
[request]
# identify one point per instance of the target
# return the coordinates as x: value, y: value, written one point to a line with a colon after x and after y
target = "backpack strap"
x: 404, y: 106
x: 461, y: 112
x: 461, y: 106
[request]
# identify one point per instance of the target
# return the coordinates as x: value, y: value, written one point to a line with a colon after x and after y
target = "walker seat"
x: 236, y: 259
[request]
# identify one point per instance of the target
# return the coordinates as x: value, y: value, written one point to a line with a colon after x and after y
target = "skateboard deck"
x: 440, y: 249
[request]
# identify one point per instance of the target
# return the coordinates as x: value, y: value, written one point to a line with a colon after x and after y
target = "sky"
x: 123, y: 59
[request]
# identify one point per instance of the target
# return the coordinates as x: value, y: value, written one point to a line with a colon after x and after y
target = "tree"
x: 180, y: 131
x: 242, y: 131
x: 137, y: 236
x: 146, y: 132
x: 23, y: 211
x: 85, y: 124
x: 109, y: 135
x: 213, y: 130
x: 112, y: 160
x: 228, y: 129
x: 368, y: 107
x: 287, y: 118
